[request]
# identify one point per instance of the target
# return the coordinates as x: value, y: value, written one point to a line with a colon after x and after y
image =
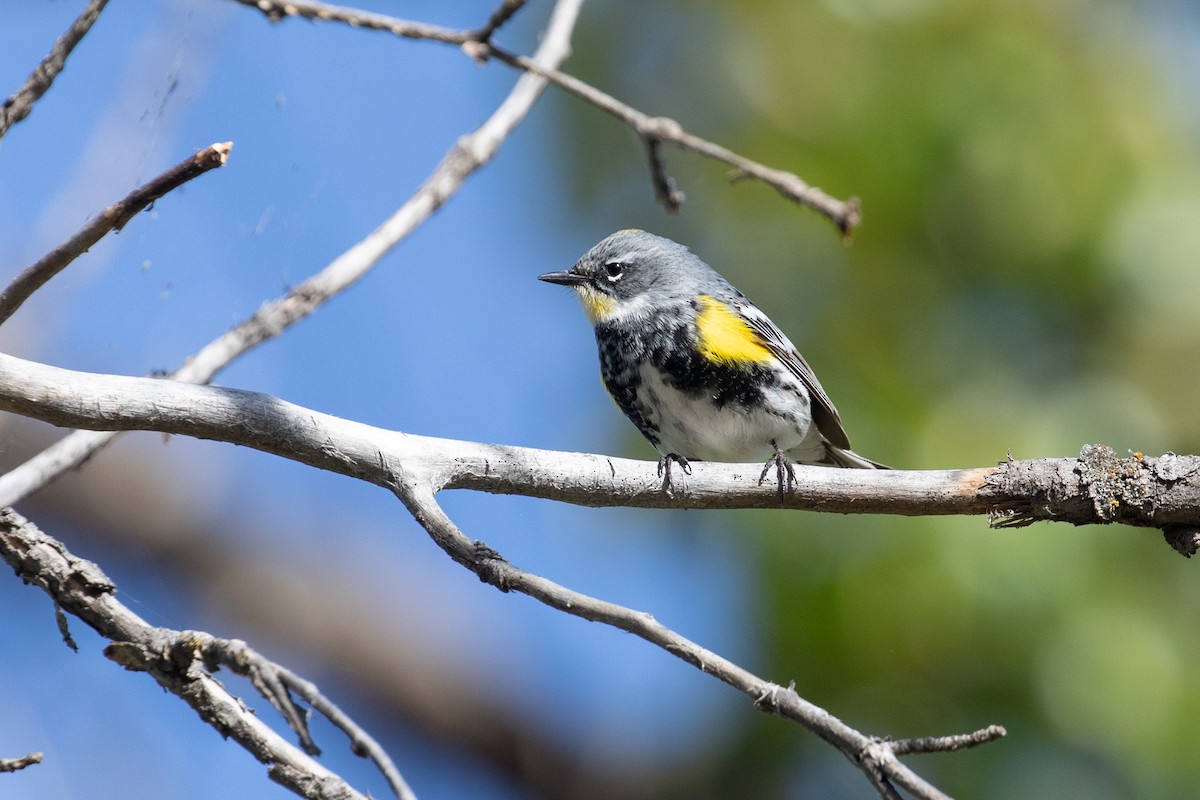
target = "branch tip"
x: 947, y: 744
x: 14, y: 764
x: 218, y: 151
x: 850, y: 219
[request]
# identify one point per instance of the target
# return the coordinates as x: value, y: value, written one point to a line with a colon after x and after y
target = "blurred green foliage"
x: 1024, y: 282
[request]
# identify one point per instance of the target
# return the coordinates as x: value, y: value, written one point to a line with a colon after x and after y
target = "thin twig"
x: 277, y: 10
x: 64, y: 630
x: 20, y: 104
x: 664, y: 185
x: 846, y: 215
x: 264, y: 675
x: 112, y: 218
x: 361, y: 742
x: 498, y: 18
x: 948, y: 744
x: 14, y: 764
x: 274, y: 681
x: 469, y: 154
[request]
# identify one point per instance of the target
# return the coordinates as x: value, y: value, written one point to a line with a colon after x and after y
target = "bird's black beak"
x: 564, y: 278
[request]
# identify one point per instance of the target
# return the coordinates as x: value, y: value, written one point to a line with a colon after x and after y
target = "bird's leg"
x: 783, y: 471
x: 664, y: 468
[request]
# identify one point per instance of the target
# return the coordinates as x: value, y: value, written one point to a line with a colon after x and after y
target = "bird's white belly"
x: 693, y: 426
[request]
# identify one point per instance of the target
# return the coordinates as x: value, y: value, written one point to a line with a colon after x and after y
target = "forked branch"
x: 654, y: 131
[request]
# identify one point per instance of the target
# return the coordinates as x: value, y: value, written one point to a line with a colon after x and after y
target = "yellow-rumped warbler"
x: 697, y: 367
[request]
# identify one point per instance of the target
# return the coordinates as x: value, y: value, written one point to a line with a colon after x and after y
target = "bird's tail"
x: 840, y: 457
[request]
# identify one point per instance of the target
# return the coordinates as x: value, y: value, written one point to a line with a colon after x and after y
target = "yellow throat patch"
x: 597, y: 305
x: 726, y: 338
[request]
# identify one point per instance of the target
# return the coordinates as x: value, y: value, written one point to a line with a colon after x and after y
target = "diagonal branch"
x: 18, y: 106
x: 469, y: 154
x: 653, y: 131
x: 880, y: 765
x: 112, y: 218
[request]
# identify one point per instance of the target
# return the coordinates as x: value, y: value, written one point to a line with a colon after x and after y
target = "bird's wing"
x: 828, y: 421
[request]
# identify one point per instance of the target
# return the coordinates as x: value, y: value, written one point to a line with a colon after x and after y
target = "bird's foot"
x: 784, y: 474
x: 664, y: 469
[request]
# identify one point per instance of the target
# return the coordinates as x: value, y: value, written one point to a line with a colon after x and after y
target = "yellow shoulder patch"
x: 725, y: 337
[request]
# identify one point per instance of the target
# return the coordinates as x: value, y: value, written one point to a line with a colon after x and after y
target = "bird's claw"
x: 664, y: 469
x: 784, y: 474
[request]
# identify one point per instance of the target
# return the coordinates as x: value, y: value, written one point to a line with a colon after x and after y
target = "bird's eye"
x: 614, y: 270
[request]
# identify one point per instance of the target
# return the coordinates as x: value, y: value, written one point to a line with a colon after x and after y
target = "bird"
x: 701, y: 371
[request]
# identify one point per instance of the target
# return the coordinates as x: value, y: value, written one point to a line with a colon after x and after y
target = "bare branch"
x: 20, y: 104
x: 847, y: 215
x: 275, y: 682
x: 64, y: 630
x: 1097, y: 487
x: 946, y: 744
x: 264, y: 675
x: 361, y: 742
x: 469, y: 154
x: 14, y: 764
x: 277, y: 10
x: 664, y: 185
x: 170, y: 657
x: 112, y: 218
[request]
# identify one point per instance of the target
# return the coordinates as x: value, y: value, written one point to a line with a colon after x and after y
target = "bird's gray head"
x: 631, y: 271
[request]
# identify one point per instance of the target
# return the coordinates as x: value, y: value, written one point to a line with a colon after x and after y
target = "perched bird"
x: 697, y: 367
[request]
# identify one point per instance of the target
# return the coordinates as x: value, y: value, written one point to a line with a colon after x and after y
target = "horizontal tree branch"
x: 1160, y: 492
